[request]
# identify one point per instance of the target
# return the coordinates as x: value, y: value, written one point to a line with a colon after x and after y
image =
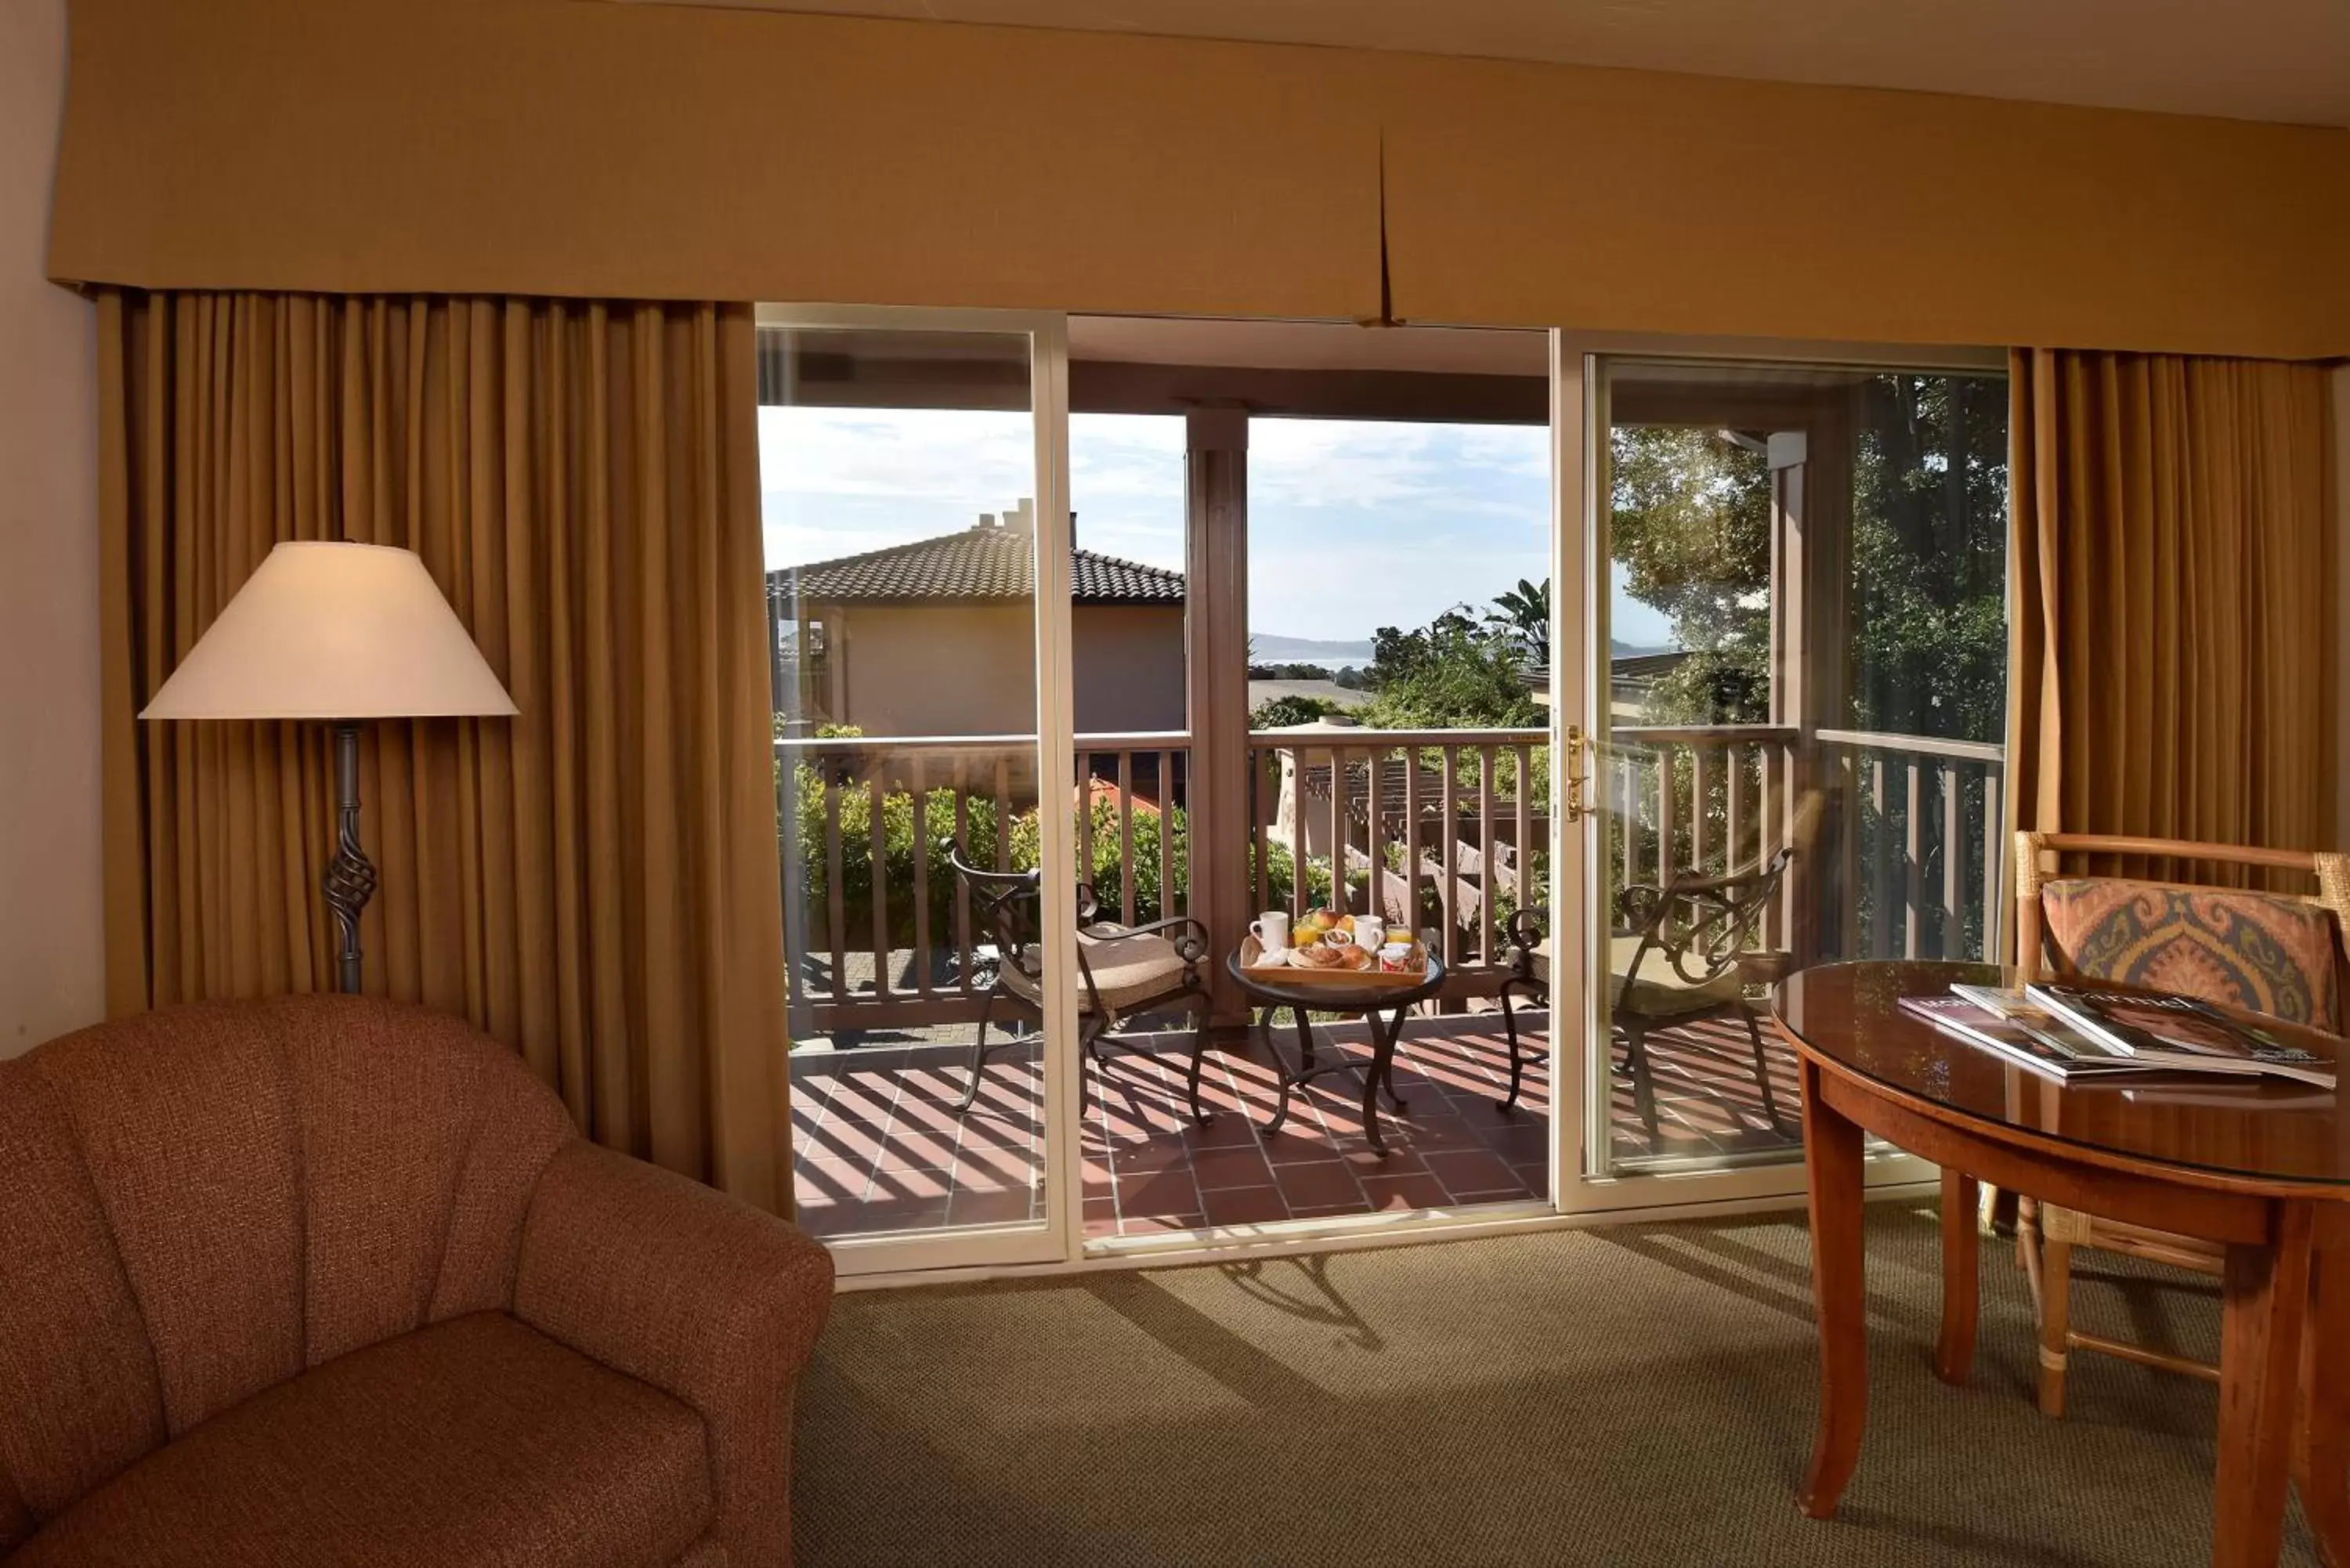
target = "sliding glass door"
x: 913, y: 471
x: 1771, y: 653
x: 1793, y: 589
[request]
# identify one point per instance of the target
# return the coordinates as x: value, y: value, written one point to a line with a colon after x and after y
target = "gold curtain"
x: 2171, y: 636
x: 594, y: 882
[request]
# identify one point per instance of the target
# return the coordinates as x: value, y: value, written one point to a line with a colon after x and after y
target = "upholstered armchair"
x: 324, y: 1279
x: 2276, y: 953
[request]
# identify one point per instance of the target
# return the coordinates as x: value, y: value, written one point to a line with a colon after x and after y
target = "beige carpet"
x: 1637, y: 1396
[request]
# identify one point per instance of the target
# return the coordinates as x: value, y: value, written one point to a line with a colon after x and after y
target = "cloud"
x: 1125, y: 485
x: 1357, y: 524
x: 1353, y: 524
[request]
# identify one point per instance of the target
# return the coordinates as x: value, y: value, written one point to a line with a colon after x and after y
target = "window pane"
x: 897, y: 471
x: 1802, y: 760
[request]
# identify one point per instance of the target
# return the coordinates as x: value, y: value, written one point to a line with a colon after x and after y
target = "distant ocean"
x: 1268, y: 649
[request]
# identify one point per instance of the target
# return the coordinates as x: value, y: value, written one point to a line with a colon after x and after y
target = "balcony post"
x: 1215, y: 639
x: 1815, y: 486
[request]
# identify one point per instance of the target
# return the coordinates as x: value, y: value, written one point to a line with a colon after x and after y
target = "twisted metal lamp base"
x: 350, y: 878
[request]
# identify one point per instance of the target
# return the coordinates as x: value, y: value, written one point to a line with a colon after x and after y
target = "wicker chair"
x: 1687, y: 953
x: 1125, y: 971
x: 2273, y: 953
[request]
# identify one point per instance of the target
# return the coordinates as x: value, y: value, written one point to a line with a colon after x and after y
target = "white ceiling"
x: 2251, y: 59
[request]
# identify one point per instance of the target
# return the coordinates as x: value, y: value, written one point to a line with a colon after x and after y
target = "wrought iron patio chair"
x: 1123, y: 970
x: 1687, y: 953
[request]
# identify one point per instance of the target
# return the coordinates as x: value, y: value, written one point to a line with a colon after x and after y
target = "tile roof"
x: 987, y: 562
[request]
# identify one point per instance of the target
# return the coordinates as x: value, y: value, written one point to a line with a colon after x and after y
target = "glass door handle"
x: 1576, y: 777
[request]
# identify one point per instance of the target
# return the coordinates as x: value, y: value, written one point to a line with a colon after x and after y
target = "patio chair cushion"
x: 1661, y: 991
x: 1128, y: 969
x: 2261, y: 952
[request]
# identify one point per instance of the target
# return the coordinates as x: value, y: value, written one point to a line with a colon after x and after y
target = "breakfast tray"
x: 1353, y: 980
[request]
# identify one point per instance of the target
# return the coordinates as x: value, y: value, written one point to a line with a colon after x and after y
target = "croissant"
x: 1319, y: 955
x: 1354, y: 957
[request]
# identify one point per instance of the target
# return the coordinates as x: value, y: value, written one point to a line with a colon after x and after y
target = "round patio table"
x: 1270, y: 995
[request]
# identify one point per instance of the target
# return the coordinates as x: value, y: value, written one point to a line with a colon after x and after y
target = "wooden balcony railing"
x: 1704, y: 799
x: 1922, y: 863
x: 1446, y: 829
x: 1904, y: 857
x: 901, y: 948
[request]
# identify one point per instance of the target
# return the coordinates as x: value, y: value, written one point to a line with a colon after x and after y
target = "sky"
x: 1352, y: 524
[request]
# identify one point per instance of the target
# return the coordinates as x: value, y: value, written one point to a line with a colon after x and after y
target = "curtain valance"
x: 595, y: 149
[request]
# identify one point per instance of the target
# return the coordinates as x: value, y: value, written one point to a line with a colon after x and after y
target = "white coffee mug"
x: 1370, y: 932
x: 1271, y: 930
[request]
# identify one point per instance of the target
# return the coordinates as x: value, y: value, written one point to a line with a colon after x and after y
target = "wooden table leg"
x: 1832, y: 1167
x: 2322, y: 1448
x: 2265, y: 1298
x: 1954, y: 1356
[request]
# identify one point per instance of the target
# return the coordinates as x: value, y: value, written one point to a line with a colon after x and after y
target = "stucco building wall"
x: 970, y: 668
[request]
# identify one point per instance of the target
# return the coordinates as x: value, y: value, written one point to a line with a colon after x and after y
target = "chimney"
x: 1022, y: 519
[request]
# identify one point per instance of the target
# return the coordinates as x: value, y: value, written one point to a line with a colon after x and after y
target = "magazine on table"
x: 2005, y: 1001
x: 2028, y: 1036
x: 2179, y: 1033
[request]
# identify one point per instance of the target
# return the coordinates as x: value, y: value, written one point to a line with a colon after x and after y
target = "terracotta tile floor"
x: 880, y: 1148
x: 1708, y: 1103
x: 1149, y: 1169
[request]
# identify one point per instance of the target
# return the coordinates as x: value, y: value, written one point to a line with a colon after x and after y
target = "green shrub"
x: 813, y: 797
x: 1280, y: 713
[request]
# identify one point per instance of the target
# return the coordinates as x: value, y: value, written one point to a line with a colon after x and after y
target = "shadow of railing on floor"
x: 1250, y: 1372
x: 1319, y: 1302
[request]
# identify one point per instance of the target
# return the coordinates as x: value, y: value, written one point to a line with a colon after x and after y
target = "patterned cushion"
x: 2255, y: 951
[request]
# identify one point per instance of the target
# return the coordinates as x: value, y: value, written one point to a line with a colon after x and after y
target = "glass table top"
x: 1850, y: 1015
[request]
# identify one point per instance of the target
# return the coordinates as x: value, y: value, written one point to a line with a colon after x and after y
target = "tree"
x: 1450, y: 673
x: 1691, y: 528
x: 1521, y: 616
x: 1929, y: 557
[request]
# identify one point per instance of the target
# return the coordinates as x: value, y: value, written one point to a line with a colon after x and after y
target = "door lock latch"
x: 1576, y: 777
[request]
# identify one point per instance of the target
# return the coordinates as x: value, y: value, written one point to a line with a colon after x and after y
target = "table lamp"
x: 342, y: 633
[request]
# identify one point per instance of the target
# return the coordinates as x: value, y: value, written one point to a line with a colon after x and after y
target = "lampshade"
x: 333, y: 631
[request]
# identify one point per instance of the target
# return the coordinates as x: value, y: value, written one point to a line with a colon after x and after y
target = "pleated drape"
x: 2172, y: 625
x: 594, y: 882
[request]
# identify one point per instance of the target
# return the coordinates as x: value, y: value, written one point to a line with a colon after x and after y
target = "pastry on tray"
x: 1332, y: 955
